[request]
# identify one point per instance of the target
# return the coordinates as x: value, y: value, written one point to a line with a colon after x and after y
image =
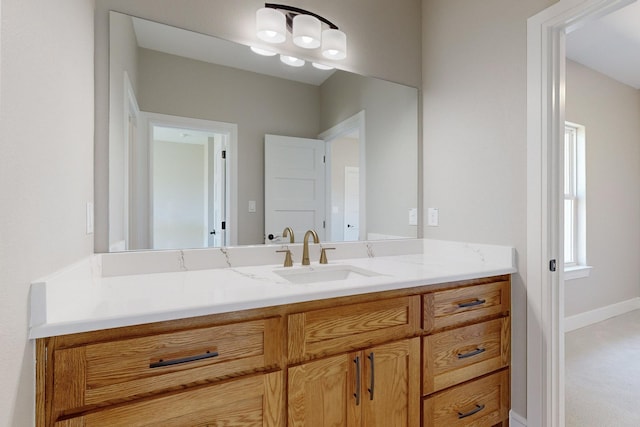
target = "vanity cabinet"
x: 374, y: 386
x: 466, y: 355
x: 434, y: 355
x: 136, y: 375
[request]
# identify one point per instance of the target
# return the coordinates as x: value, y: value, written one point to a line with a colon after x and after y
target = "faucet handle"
x: 288, y: 261
x: 323, y: 255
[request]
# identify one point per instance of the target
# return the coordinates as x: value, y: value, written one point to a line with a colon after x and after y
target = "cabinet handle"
x: 471, y: 353
x: 373, y: 376
x: 357, y: 393
x: 472, y: 303
x: 477, y: 409
x: 161, y: 363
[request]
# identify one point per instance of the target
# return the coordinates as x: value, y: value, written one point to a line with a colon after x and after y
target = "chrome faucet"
x: 288, y: 232
x: 305, y: 247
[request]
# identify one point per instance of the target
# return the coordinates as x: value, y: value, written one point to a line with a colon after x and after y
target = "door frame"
x: 357, y: 121
x: 545, y: 120
x: 230, y: 130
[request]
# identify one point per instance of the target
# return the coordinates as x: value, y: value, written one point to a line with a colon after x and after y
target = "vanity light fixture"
x: 263, y: 52
x: 322, y: 66
x: 292, y: 60
x: 306, y: 28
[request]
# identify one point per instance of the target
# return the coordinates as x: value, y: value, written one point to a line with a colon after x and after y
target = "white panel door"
x: 293, y: 186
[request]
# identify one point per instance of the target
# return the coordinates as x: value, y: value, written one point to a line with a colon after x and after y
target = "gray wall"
x: 46, y: 170
x: 370, y: 50
x: 124, y: 55
x: 610, y: 112
x: 391, y: 139
x: 258, y: 104
x: 474, y: 145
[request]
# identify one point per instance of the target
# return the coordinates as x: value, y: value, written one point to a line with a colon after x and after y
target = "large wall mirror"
x: 211, y: 145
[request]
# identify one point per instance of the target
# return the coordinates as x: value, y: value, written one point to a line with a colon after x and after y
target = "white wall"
x: 474, y: 145
x: 610, y: 111
x: 46, y: 170
x: 179, y: 192
x: 370, y: 51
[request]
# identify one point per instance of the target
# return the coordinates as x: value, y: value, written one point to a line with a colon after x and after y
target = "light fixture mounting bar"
x: 293, y: 11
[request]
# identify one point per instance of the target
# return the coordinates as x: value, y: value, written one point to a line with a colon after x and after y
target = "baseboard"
x: 581, y: 320
x: 516, y: 420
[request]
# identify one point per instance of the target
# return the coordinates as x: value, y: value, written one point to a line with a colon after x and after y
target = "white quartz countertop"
x: 82, y: 298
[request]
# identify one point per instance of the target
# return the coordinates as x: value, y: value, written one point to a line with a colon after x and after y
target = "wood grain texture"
x: 394, y: 372
x: 322, y: 392
x: 491, y: 393
x: 442, y: 309
x: 442, y: 365
x: 334, y: 330
x: 250, y: 401
x: 70, y: 379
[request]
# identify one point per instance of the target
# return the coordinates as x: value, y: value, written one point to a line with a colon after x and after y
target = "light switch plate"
x: 432, y: 217
x: 89, y: 218
x: 413, y: 216
x: 252, y: 206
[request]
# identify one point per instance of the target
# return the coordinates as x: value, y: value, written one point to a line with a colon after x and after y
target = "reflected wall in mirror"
x: 179, y: 100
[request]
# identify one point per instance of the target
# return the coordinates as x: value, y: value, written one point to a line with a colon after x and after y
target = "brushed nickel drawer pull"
x: 161, y: 363
x: 357, y: 393
x: 477, y: 409
x: 472, y: 303
x: 373, y: 376
x: 471, y: 353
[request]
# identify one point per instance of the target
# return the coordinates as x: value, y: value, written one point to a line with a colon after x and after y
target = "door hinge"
x: 324, y: 159
x: 553, y: 265
x: 224, y: 154
x: 223, y: 226
x: 324, y: 224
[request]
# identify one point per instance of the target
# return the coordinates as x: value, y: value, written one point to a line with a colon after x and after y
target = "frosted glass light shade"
x: 322, y: 66
x: 334, y: 44
x: 271, y: 25
x: 307, y: 31
x: 263, y: 52
x: 292, y: 60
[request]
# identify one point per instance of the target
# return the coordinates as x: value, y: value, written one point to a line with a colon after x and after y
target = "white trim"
x: 516, y: 420
x: 587, y: 318
x: 545, y: 119
x: 130, y: 110
x: 577, y: 272
x: 357, y: 121
x: 231, y: 130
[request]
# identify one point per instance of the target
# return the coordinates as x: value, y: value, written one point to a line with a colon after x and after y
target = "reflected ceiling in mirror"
x: 178, y: 99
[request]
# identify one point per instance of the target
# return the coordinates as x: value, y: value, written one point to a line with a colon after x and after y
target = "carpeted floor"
x: 603, y: 373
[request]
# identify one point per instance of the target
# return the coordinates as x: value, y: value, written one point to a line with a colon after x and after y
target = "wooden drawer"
x: 120, y: 370
x: 458, y: 355
x: 250, y: 401
x: 340, y: 329
x: 480, y: 403
x: 445, y: 309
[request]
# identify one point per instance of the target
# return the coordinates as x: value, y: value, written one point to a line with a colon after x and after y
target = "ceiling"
x: 610, y: 45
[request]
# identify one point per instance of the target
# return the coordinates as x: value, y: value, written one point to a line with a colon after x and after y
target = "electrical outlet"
x: 413, y: 216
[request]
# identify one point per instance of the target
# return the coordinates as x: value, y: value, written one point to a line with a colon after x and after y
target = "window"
x: 574, y: 202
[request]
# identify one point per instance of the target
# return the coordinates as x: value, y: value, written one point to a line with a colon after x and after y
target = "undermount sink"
x: 323, y: 273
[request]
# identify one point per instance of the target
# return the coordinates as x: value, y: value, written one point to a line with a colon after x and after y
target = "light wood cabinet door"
x: 325, y: 392
x: 251, y: 401
x: 379, y: 386
x: 391, y: 385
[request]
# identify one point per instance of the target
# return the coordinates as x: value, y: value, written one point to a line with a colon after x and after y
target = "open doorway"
x: 346, y: 180
x: 184, y: 185
x: 545, y: 131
